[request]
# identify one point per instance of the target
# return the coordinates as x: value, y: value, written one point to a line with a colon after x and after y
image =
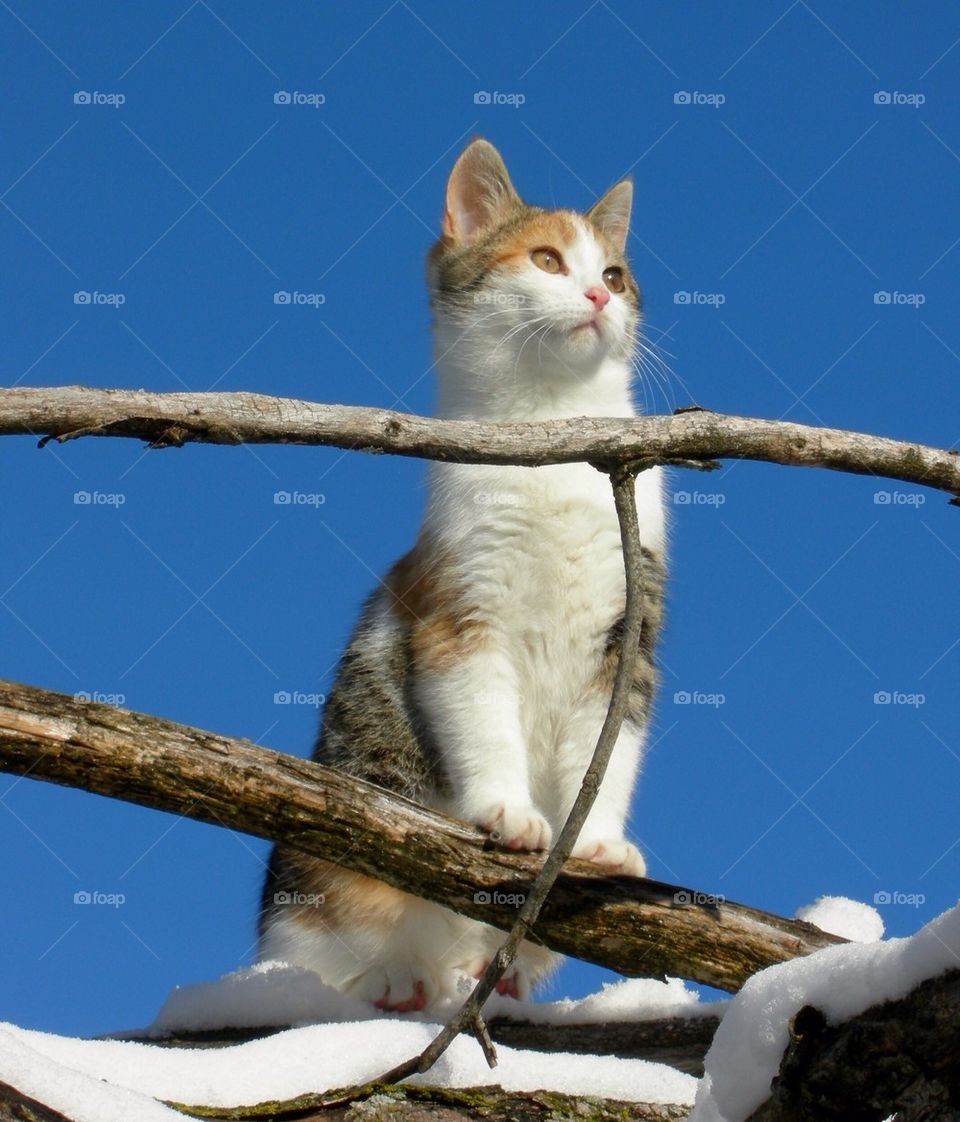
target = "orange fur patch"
x: 349, y: 899
x: 555, y: 229
x: 443, y: 630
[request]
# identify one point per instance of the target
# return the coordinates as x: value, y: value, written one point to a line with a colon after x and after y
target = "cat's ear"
x: 611, y: 212
x: 479, y: 193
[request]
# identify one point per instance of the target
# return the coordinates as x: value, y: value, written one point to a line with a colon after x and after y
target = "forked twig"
x: 469, y: 1018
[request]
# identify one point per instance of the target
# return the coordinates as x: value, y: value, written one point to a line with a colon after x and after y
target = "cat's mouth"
x: 595, y: 324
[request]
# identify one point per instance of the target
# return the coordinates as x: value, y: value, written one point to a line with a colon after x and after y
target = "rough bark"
x: 17, y: 1107
x: 633, y: 925
x: 165, y: 419
x: 900, y: 1058
x: 391, y: 1103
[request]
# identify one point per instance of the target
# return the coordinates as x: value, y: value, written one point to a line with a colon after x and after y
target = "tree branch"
x: 899, y: 1058
x: 625, y: 499
x: 635, y: 926
x: 693, y: 436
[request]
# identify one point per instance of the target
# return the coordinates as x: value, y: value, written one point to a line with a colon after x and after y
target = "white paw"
x: 516, y: 827
x: 616, y: 856
x: 397, y: 987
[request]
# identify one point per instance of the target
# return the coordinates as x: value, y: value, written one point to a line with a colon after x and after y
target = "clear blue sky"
x: 775, y: 189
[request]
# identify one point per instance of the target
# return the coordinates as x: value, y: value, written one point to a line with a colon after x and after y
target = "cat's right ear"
x: 479, y: 193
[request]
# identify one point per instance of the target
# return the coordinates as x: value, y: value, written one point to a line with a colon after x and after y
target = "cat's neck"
x: 475, y: 385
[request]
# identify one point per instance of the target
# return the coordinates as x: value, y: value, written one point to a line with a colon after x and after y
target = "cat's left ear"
x: 611, y: 212
x: 479, y: 193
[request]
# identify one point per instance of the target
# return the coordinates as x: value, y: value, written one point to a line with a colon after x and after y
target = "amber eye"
x: 613, y: 278
x: 547, y: 259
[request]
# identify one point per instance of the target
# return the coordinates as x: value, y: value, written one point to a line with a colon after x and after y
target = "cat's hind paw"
x: 397, y: 987
x: 616, y: 856
x: 516, y: 827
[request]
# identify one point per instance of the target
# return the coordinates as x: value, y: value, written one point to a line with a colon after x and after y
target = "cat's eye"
x: 613, y: 278
x: 547, y: 259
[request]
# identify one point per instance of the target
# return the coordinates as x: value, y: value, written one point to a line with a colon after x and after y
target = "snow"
x: 315, y: 1058
x: 841, y: 981
x: 336, y: 1041
x: 275, y: 993
x: 860, y: 923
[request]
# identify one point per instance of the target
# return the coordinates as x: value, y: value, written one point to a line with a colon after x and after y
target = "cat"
x: 480, y: 671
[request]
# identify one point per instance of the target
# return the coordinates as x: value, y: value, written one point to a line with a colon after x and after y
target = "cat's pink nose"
x: 597, y: 296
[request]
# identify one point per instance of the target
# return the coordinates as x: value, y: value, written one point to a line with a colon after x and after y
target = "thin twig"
x: 625, y: 499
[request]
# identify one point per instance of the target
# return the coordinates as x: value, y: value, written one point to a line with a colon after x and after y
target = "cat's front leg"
x: 601, y: 838
x: 473, y: 709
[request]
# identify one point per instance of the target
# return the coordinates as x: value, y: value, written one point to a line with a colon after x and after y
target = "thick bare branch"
x: 635, y: 926
x: 692, y: 437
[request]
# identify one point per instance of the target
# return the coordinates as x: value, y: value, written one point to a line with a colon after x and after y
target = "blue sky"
x: 796, y: 236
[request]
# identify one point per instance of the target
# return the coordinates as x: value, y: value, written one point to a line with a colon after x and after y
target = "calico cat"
x: 480, y: 671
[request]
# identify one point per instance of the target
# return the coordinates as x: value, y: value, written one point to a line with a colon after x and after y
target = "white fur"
x: 537, y: 552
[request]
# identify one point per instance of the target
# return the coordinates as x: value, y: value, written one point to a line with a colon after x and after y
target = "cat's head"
x: 535, y: 287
